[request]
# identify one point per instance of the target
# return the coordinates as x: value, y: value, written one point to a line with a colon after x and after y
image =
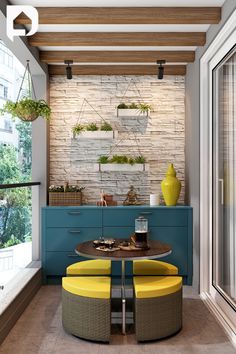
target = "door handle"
x: 74, y: 231
x: 73, y: 255
x: 73, y: 212
x: 221, y: 191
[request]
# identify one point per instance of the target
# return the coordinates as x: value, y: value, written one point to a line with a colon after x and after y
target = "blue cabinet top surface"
x: 120, y: 207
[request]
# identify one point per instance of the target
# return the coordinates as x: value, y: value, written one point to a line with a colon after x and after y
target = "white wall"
x: 192, y: 127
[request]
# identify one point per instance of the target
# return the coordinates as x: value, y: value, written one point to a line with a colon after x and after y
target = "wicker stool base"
x: 85, y: 317
x: 158, y: 317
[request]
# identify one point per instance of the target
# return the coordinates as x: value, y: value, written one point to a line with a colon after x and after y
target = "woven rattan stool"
x: 158, y: 306
x: 151, y: 267
x: 91, y: 267
x: 86, y: 307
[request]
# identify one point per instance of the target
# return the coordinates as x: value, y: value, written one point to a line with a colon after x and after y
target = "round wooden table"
x: 156, y: 250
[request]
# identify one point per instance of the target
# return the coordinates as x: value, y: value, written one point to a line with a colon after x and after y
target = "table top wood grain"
x: 156, y: 249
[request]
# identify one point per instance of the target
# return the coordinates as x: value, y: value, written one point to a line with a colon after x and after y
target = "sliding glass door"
x: 224, y: 178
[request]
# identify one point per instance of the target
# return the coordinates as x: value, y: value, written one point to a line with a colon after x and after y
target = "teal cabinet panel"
x: 74, y: 217
x: 177, y: 238
x: 64, y: 227
x: 118, y: 232
x: 156, y: 217
x: 57, y: 262
x: 66, y: 239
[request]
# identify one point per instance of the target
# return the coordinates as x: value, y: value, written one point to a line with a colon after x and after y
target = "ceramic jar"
x: 171, y: 187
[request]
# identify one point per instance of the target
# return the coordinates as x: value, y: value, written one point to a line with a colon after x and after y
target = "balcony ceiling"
x: 103, y: 38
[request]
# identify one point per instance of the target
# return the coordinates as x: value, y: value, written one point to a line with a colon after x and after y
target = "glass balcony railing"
x: 18, y: 207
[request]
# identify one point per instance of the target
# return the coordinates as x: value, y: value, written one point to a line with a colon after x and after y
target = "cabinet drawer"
x: 155, y: 216
x: 74, y: 217
x: 66, y: 239
x: 177, y: 238
x: 57, y: 262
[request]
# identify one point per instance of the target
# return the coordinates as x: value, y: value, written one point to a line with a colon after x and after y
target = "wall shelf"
x: 98, y: 135
x: 135, y: 113
x: 123, y: 167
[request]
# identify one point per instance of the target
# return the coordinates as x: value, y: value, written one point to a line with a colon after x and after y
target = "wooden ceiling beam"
x: 118, y: 39
x: 113, y: 56
x: 117, y: 70
x: 126, y: 15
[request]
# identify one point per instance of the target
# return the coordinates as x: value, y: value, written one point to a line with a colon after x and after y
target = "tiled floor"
x: 39, y: 330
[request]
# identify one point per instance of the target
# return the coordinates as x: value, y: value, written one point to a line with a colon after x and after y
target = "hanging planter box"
x: 126, y: 167
x: 65, y: 198
x: 127, y: 112
x: 97, y: 134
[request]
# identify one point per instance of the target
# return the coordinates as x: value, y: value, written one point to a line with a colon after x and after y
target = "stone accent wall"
x: 160, y: 137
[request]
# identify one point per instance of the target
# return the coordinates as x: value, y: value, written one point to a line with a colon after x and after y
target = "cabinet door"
x: 57, y: 262
x: 155, y: 216
x: 66, y: 239
x: 73, y: 217
x: 177, y: 238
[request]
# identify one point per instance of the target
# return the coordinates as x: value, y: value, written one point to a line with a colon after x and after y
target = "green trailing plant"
x: 122, y: 159
x: 144, y: 107
x: 122, y: 106
x: 119, y: 159
x: 133, y: 106
x: 92, y: 127
x: 140, y: 159
x: 27, y: 109
x: 106, y: 127
x: 103, y: 159
x: 77, y: 129
x: 131, y: 161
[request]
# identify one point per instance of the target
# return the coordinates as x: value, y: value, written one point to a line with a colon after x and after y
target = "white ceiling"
x: 115, y: 3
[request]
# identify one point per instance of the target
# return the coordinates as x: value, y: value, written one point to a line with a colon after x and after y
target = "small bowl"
x: 96, y: 243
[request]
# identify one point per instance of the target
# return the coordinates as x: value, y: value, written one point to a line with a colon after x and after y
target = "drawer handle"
x: 146, y: 213
x: 73, y: 212
x: 74, y: 231
x: 73, y: 255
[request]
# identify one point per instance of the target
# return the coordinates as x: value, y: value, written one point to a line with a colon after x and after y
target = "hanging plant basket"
x: 27, y: 108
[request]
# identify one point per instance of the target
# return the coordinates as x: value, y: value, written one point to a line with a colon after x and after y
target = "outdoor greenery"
x: 78, y: 128
x: 27, y: 109
x: 143, y: 107
x: 122, y: 159
x: 15, y: 204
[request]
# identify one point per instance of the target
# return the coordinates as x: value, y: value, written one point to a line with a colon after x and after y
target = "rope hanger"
x: 31, y: 90
x: 85, y: 101
x: 132, y: 82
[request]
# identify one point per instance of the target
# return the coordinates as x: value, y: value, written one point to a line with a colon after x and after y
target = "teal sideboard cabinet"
x: 64, y: 227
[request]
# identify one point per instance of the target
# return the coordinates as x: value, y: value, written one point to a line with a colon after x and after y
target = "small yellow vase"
x: 171, y: 187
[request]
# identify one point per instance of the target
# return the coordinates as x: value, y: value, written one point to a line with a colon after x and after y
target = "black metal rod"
x: 18, y: 185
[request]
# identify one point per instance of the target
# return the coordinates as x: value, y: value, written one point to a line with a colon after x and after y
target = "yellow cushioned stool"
x: 91, y: 267
x: 158, y: 306
x: 151, y: 267
x: 86, y: 307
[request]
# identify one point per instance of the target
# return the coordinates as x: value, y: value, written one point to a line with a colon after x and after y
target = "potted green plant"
x: 133, y: 109
x: 93, y: 131
x: 122, y: 163
x: 65, y: 195
x: 27, y: 109
x: 92, y: 127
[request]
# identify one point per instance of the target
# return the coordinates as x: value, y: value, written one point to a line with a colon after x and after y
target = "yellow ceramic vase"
x: 171, y: 187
